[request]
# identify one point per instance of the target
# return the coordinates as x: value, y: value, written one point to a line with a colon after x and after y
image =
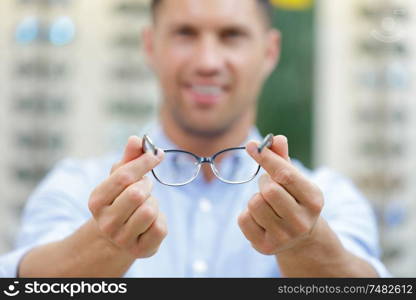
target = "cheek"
x: 247, y: 64
x: 169, y: 63
x: 249, y: 75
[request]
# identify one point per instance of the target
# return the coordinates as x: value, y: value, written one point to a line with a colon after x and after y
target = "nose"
x: 208, y: 57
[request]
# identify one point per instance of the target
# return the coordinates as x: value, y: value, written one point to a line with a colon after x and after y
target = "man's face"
x: 211, y: 58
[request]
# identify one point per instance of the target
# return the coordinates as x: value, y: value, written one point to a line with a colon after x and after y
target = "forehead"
x: 244, y: 12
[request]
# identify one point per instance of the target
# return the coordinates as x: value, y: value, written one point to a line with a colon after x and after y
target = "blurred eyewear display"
x: 59, y: 33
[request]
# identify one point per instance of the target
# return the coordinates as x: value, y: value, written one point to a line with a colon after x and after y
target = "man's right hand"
x: 124, y: 210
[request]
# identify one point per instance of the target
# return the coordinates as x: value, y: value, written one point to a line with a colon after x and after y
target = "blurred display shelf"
x: 365, y: 113
x: 72, y: 83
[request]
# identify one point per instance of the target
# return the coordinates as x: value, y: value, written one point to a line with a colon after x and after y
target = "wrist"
x: 110, y: 249
x: 321, y: 242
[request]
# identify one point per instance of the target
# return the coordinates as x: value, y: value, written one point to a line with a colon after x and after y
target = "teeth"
x: 207, y: 89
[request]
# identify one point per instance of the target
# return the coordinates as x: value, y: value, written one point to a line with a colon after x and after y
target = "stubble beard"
x: 209, y: 133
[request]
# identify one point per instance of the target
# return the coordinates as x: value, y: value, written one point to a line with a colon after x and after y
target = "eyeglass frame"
x: 267, y: 142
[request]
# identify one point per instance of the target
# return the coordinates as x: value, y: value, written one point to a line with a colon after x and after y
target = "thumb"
x: 281, y: 146
x: 133, y: 149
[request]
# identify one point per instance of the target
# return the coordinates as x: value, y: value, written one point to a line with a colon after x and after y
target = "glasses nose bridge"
x: 205, y: 160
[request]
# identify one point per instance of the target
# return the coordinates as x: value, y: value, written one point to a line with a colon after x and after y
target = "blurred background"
x: 74, y: 82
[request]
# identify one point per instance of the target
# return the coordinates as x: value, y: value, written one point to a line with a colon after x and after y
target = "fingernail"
x: 160, y: 154
x: 252, y: 149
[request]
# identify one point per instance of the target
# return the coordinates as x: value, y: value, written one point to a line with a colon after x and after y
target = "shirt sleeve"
x: 351, y: 217
x: 54, y: 210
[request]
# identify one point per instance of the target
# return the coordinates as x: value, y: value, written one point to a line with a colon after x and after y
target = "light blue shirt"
x: 204, y: 238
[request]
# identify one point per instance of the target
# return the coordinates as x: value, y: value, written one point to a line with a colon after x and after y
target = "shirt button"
x: 205, y: 205
x: 199, y: 266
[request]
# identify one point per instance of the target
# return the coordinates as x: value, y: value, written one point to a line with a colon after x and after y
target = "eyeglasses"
x: 233, y: 165
x: 41, y: 69
x: 130, y: 107
x: 60, y: 32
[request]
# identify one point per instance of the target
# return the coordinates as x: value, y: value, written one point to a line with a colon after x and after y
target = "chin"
x: 202, y: 123
x: 208, y: 129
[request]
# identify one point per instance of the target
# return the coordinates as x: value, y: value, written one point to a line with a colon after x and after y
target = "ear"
x: 148, y: 45
x: 273, y: 50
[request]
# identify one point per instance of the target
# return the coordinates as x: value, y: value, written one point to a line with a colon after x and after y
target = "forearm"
x: 325, y: 257
x: 83, y: 254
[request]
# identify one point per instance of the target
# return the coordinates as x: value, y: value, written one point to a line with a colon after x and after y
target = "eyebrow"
x: 175, y: 25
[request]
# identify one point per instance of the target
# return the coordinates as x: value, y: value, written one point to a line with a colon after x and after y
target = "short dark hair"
x: 266, y: 7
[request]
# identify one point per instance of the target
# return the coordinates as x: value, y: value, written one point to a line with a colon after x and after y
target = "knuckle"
x: 94, y: 203
x: 269, y: 191
x: 266, y: 248
x: 160, y: 231
x: 150, y: 253
x: 283, y: 241
x: 284, y: 176
x: 124, y: 179
x: 108, y: 226
x: 316, y: 191
x: 140, y: 250
x: 301, y: 227
x: 242, y: 220
x: 316, y: 203
x: 137, y: 195
x: 137, y: 251
x: 317, y: 206
x: 121, y: 240
x: 255, y: 203
x: 148, y: 213
x: 93, y: 206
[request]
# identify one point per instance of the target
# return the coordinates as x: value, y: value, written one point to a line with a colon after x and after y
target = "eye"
x: 231, y: 34
x: 185, y: 31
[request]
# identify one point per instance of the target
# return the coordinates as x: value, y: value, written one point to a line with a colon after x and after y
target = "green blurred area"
x: 286, y: 103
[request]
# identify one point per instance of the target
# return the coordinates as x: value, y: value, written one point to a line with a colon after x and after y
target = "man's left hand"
x: 285, y: 212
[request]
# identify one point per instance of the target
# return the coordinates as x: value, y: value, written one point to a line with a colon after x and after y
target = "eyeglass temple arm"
x: 267, y: 142
x: 147, y: 144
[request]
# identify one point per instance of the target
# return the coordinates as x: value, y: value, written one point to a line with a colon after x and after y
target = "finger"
x: 115, y: 167
x: 129, y: 200
x: 281, y: 147
x: 149, y: 242
x: 139, y: 222
x: 284, y: 173
x: 251, y: 230
x: 123, y: 177
x: 132, y: 151
x: 282, y: 203
x: 262, y: 213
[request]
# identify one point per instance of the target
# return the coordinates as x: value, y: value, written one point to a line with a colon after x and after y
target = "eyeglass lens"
x: 233, y: 166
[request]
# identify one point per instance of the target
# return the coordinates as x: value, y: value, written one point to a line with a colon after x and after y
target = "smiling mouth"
x: 206, y: 95
x: 207, y: 90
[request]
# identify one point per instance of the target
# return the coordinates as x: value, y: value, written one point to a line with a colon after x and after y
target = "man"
x: 211, y: 58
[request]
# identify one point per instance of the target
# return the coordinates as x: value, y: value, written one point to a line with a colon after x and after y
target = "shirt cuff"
x: 9, y: 263
x: 378, y: 266
x: 355, y: 248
